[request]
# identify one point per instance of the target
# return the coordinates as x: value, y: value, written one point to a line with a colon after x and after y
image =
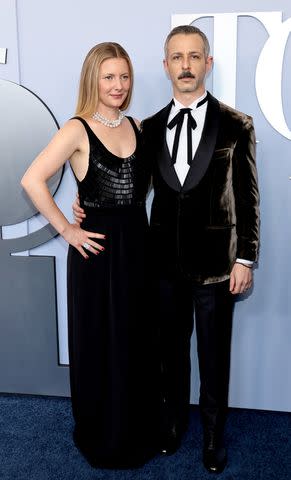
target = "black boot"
x: 173, y: 429
x: 171, y: 440
x: 214, y: 453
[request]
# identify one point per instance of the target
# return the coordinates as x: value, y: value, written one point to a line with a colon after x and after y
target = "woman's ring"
x: 86, y: 245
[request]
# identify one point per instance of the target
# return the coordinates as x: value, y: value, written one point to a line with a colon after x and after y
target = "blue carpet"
x: 36, y: 444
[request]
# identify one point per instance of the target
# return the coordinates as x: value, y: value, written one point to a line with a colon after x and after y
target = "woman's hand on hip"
x: 83, y: 240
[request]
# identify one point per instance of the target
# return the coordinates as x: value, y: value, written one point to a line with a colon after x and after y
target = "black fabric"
x: 177, y: 122
x: 197, y: 232
x: 111, y: 336
x: 200, y: 228
x: 111, y: 181
x: 177, y: 297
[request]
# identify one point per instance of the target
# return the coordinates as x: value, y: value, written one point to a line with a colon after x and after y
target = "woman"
x: 111, y: 346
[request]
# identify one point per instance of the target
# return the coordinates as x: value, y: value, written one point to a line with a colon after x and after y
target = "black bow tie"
x: 191, y: 125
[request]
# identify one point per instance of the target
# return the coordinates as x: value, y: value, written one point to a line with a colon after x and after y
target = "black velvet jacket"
x: 200, y: 228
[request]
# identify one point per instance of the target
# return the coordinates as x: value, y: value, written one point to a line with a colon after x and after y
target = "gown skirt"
x: 113, y: 361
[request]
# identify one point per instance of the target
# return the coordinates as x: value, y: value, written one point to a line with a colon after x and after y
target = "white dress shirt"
x: 181, y: 166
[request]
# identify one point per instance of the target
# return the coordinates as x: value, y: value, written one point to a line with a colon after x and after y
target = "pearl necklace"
x: 109, y: 123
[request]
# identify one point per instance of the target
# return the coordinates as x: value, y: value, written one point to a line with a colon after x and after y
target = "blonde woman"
x: 111, y: 346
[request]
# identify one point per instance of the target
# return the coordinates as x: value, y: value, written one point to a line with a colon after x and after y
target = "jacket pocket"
x: 219, y: 227
x: 222, y: 153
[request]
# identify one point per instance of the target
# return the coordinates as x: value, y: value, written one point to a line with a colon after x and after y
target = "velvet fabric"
x: 114, y: 386
x: 201, y: 227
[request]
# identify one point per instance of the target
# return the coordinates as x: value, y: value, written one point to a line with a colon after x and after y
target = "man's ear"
x: 209, y: 63
x: 165, y: 63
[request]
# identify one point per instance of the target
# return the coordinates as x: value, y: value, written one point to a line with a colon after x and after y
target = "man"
x: 204, y: 225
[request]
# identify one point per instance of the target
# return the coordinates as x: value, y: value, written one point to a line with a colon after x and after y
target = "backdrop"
x: 42, y: 47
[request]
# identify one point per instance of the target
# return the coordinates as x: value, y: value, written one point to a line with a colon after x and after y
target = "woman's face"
x: 114, y: 82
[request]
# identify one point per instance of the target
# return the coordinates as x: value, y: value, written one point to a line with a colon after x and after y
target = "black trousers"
x: 177, y: 297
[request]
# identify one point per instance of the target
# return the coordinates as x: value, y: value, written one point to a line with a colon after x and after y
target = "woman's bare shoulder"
x: 73, y: 127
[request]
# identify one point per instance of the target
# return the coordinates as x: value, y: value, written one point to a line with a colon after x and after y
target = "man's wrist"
x: 247, y: 265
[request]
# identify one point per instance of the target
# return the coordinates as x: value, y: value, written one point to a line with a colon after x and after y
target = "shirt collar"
x: 178, y: 105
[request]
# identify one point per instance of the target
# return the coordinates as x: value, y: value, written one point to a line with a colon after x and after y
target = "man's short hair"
x: 188, y: 30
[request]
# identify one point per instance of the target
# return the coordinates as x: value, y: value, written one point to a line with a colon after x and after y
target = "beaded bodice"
x: 112, y: 181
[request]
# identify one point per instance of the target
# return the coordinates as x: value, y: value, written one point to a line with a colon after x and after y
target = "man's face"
x: 186, y: 64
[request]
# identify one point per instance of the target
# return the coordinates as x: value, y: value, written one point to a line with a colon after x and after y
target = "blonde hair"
x: 88, y: 88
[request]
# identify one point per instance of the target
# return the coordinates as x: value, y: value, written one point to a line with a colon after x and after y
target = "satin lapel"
x: 206, y: 146
x: 163, y: 156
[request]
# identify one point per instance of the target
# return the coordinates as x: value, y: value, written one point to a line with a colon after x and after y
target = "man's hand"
x: 241, y: 278
x: 78, y: 212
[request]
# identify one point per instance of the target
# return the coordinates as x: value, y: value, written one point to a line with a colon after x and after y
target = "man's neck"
x: 186, y: 98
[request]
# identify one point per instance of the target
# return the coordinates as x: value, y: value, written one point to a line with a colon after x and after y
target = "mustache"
x: 186, y: 74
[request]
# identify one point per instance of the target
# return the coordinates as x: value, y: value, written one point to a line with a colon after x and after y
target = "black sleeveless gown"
x: 113, y: 370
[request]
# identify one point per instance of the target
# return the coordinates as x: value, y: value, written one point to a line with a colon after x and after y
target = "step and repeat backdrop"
x: 42, y: 48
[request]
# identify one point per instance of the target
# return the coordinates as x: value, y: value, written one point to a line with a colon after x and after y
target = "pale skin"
x: 185, y: 53
x: 71, y: 142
